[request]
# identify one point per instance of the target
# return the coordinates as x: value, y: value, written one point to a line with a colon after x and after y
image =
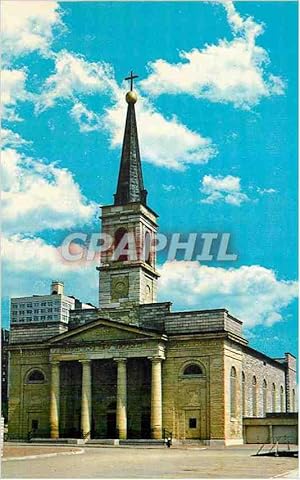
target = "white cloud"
x: 226, y: 189
x: 265, y: 191
x: 27, y: 26
x: 228, y: 72
x: 12, y: 92
x: 10, y: 139
x: 164, y: 142
x: 35, y: 263
x: 74, y: 76
x: 87, y: 120
x: 37, y: 196
x: 168, y: 188
x: 252, y: 293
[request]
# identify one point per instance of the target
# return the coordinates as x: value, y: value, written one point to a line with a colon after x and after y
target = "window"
x: 254, y: 396
x: 29, y: 311
x: 192, y: 369
x: 49, y: 317
x: 43, y: 304
x: 273, y: 398
x: 147, y: 248
x: 294, y: 406
x: 265, y: 392
x: 193, y: 423
x: 281, y: 399
x: 29, y: 304
x: 120, y: 236
x: 243, y: 393
x: 43, y: 318
x: 36, y: 376
x: 36, y: 311
x: 233, y: 392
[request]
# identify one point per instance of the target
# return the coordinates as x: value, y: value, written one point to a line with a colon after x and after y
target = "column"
x: 86, y: 399
x: 122, y: 399
x: 54, y: 400
x: 156, y: 398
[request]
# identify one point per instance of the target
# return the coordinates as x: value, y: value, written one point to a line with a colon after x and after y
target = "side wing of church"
x: 133, y: 369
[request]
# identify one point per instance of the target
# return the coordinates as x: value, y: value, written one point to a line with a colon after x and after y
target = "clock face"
x: 119, y: 288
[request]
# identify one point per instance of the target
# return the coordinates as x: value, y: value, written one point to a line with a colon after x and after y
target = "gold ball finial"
x: 131, y: 97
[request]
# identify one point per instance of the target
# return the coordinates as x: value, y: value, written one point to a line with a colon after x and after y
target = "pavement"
x: 150, y: 462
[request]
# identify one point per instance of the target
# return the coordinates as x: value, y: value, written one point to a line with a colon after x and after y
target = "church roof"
x: 130, y: 186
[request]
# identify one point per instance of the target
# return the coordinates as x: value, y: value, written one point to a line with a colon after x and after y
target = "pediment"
x: 103, y: 330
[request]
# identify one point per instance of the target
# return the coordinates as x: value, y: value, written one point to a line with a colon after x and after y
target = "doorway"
x: 111, y: 421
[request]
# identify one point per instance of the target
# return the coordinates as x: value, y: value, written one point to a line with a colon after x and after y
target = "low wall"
x: 282, y: 428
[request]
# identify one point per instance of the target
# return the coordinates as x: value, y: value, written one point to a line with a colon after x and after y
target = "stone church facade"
x: 133, y: 369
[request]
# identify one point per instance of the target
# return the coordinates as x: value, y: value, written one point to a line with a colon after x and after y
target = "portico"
x: 112, y: 385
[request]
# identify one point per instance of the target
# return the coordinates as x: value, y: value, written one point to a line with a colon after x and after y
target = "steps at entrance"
x: 142, y: 442
x: 63, y: 441
x: 136, y: 442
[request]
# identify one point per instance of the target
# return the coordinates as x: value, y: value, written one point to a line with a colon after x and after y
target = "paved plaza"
x: 155, y: 462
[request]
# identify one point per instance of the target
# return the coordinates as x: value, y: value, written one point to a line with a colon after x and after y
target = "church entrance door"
x: 111, y: 421
x: 192, y: 424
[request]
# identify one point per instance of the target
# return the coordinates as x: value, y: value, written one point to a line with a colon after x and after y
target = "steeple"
x: 130, y: 186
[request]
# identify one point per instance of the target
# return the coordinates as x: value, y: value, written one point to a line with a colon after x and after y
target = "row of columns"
x: 121, y: 414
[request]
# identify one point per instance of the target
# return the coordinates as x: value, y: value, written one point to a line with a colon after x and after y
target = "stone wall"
x: 201, y: 321
x: 194, y: 397
x: 263, y: 368
x: 28, y: 402
x: 37, y: 332
x: 233, y: 360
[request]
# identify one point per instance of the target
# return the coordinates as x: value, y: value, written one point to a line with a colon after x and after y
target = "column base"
x: 156, y: 434
x: 54, y: 435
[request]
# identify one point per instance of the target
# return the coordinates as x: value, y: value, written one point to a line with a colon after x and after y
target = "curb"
x: 288, y: 474
x: 42, y: 455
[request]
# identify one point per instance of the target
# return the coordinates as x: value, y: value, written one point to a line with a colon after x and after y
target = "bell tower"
x: 127, y: 273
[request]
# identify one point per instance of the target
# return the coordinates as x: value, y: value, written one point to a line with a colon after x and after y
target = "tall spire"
x: 130, y: 186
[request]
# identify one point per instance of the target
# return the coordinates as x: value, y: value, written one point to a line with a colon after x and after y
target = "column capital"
x: 156, y: 358
x: 86, y: 361
x: 54, y: 363
x: 120, y: 360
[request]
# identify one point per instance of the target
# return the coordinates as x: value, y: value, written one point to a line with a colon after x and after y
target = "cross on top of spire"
x: 131, y: 77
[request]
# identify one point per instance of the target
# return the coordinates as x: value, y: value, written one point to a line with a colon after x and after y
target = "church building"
x: 133, y: 368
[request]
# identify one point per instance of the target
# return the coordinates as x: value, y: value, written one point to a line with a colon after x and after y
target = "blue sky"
x: 217, y: 117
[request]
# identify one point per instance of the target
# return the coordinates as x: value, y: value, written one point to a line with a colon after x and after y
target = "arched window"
x: 192, y: 369
x: 243, y: 394
x: 294, y: 406
x: 36, y: 376
x: 265, y: 392
x: 281, y: 399
x: 273, y: 398
x: 119, y: 236
x: 233, y: 392
x: 254, y: 396
x: 147, y: 248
